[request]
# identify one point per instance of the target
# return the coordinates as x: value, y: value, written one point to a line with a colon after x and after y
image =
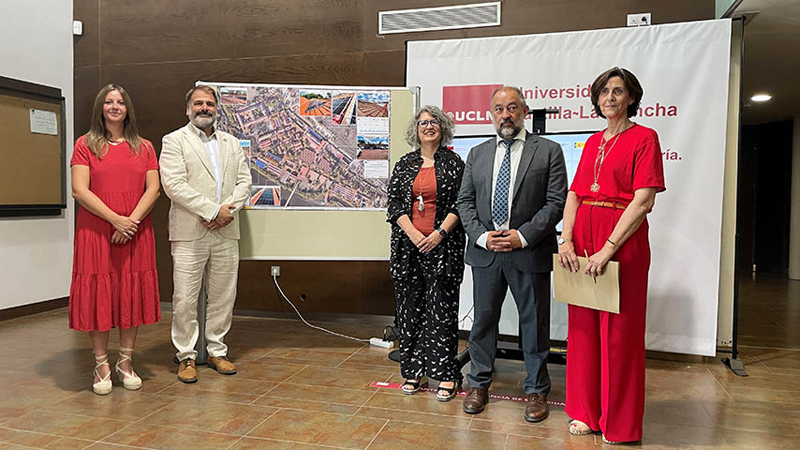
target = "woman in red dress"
x: 114, y: 280
x: 614, y: 189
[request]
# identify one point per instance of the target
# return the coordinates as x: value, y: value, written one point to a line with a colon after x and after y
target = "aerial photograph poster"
x: 305, y: 148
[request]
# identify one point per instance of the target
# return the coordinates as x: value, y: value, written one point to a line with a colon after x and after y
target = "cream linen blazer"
x: 189, y: 182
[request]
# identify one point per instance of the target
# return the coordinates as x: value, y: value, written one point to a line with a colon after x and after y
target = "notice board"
x: 32, y: 149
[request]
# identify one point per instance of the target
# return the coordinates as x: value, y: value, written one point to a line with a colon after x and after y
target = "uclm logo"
x: 469, y: 105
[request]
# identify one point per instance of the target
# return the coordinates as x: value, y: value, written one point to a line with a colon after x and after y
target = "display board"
x: 689, y: 112
x: 32, y: 181
x: 320, y: 157
x: 311, y: 147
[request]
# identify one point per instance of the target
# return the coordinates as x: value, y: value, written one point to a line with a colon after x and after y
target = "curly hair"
x: 446, y: 124
x: 631, y: 84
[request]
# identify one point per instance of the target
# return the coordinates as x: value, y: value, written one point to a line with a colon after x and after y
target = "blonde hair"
x: 98, y: 137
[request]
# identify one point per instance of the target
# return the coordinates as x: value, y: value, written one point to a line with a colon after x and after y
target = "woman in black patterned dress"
x: 427, y: 262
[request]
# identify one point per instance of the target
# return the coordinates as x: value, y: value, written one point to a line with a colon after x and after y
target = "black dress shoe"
x: 476, y: 400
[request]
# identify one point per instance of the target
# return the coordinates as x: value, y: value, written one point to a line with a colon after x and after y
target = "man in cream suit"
x: 204, y: 172
x: 512, y: 196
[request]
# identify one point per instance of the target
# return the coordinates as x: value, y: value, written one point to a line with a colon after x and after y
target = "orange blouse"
x: 425, y: 185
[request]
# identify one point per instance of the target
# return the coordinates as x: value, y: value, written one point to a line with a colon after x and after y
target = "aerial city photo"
x: 302, y: 146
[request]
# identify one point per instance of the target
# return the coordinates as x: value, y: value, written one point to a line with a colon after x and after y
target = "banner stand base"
x: 736, y: 365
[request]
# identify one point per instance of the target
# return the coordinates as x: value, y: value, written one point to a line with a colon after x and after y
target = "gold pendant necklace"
x: 601, y: 156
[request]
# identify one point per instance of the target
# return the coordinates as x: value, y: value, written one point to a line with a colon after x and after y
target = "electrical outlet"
x: 77, y: 28
x: 639, y: 20
x: 276, y: 271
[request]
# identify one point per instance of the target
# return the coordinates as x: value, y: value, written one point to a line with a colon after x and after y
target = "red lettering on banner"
x: 671, y: 155
x: 591, y: 114
x: 540, y: 93
x: 658, y: 110
x: 469, y: 104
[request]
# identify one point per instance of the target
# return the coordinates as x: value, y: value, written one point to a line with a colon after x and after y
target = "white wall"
x: 36, y: 253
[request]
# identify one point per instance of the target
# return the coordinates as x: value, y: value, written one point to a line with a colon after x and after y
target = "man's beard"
x: 202, y: 121
x: 508, y: 132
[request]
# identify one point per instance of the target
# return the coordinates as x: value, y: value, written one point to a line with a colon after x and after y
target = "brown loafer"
x: 187, y: 372
x: 476, y: 400
x: 536, y: 409
x: 221, y: 364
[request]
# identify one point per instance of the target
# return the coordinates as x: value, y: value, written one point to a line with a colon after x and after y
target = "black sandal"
x: 451, y: 392
x: 414, y: 387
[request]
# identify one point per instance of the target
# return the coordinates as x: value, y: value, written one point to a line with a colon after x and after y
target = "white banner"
x: 683, y: 69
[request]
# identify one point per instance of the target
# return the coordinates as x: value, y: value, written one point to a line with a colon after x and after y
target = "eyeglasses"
x: 425, y: 123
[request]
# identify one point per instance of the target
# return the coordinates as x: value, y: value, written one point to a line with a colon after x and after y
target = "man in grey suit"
x: 512, y: 196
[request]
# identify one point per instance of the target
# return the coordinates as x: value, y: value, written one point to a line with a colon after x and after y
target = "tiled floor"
x: 300, y: 389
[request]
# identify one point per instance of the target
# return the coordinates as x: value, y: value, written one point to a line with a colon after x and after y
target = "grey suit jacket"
x: 537, y: 202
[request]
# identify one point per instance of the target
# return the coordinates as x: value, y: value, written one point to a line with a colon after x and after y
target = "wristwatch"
x: 561, y: 241
x: 442, y: 232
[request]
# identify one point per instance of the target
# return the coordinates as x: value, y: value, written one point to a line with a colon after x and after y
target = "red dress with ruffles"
x: 114, y: 285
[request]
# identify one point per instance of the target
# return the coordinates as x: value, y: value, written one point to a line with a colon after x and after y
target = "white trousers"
x: 218, y: 259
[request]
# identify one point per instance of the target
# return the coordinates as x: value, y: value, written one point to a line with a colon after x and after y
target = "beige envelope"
x: 577, y: 288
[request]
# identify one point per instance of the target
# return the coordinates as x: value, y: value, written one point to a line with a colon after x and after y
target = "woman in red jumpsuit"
x: 614, y: 189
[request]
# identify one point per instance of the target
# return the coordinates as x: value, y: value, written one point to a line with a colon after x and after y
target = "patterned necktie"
x: 500, y: 202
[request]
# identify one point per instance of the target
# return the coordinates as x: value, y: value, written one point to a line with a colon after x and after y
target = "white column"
x: 794, y: 230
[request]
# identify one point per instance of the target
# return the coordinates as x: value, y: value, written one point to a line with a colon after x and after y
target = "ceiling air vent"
x: 442, y: 18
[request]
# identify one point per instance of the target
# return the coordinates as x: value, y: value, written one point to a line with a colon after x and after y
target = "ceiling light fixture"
x: 761, y: 97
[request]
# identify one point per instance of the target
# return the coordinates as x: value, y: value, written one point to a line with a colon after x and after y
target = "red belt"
x: 615, y: 205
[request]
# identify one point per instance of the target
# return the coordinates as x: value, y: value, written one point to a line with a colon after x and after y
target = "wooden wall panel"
x: 157, y: 30
x: 86, y: 85
x: 87, y: 47
x: 158, y: 49
x: 377, y: 293
x: 329, y: 286
x: 386, y: 68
